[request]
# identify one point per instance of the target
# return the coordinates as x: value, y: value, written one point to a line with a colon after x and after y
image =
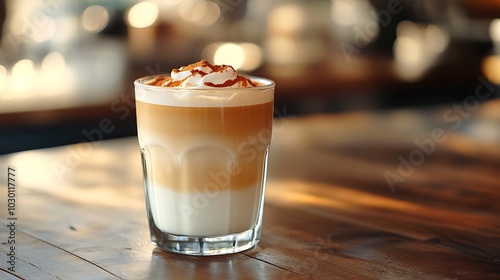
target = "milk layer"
x: 204, y: 213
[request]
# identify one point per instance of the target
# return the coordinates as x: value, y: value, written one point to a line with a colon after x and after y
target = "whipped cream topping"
x: 202, y: 74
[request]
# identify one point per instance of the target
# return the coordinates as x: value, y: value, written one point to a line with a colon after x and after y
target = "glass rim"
x: 264, y: 84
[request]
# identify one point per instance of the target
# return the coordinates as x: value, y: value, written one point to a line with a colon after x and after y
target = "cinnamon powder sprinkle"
x: 169, y: 82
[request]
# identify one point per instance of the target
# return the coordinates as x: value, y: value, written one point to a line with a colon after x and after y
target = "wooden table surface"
x: 330, y: 212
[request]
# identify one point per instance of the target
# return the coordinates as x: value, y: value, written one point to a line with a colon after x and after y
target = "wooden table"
x: 330, y: 211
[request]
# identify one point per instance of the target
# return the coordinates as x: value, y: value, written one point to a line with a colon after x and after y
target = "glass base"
x: 206, y: 245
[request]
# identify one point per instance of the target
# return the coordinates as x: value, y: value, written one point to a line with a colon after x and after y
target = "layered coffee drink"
x: 204, y: 133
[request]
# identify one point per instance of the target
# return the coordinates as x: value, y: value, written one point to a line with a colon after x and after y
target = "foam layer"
x: 204, y: 97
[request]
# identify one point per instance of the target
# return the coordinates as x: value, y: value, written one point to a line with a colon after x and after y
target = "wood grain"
x: 329, y: 213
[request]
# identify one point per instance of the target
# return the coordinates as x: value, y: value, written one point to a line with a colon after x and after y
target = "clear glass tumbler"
x: 204, y: 155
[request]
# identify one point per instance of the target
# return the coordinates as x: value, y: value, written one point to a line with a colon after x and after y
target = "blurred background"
x: 67, y: 67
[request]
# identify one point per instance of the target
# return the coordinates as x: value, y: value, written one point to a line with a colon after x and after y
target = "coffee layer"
x: 196, y: 148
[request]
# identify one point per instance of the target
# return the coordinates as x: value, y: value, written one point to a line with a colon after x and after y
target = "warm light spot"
x: 3, y: 78
x: 230, y: 54
x: 36, y: 168
x: 286, y: 19
x: 437, y: 39
x: 323, y: 198
x: 495, y: 30
x: 410, y: 58
x: 410, y: 46
x: 417, y: 48
x: 407, y: 28
x: 212, y: 14
x: 253, y: 56
x: 354, y: 22
x: 170, y: 2
x: 18, y: 23
x: 490, y: 67
x: 199, y: 11
x: 142, y: 14
x: 248, y: 55
x: 192, y: 10
x: 95, y: 18
x: 343, y: 12
x: 408, y: 51
x: 53, y: 66
x: 72, y: 167
x: 23, y: 75
x: 209, y: 50
x: 55, y: 70
x: 282, y: 50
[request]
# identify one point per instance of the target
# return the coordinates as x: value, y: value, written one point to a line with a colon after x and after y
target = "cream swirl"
x: 205, y: 75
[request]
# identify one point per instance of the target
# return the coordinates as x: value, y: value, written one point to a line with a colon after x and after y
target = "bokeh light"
x: 212, y: 14
x: 354, y: 22
x: 170, y: 2
x: 230, y: 54
x: 417, y: 48
x: 53, y: 65
x: 192, y: 10
x: 18, y: 23
x: 54, y: 71
x: 437, y: 39
x: 408, y: 51
x: 253, y: 56
x: 95, y: 18
x: 343, y: 12
x: 199, y: 11
x: 23, y: 75
x: 3, y: 78
x: 407, y: 28
x: 282, y: 50
x: 142, y: 14
x: 209, y: 50
x: 286, y: 19
x: 490, y: 67
x: 494, y: 30
x: 242, y: 56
